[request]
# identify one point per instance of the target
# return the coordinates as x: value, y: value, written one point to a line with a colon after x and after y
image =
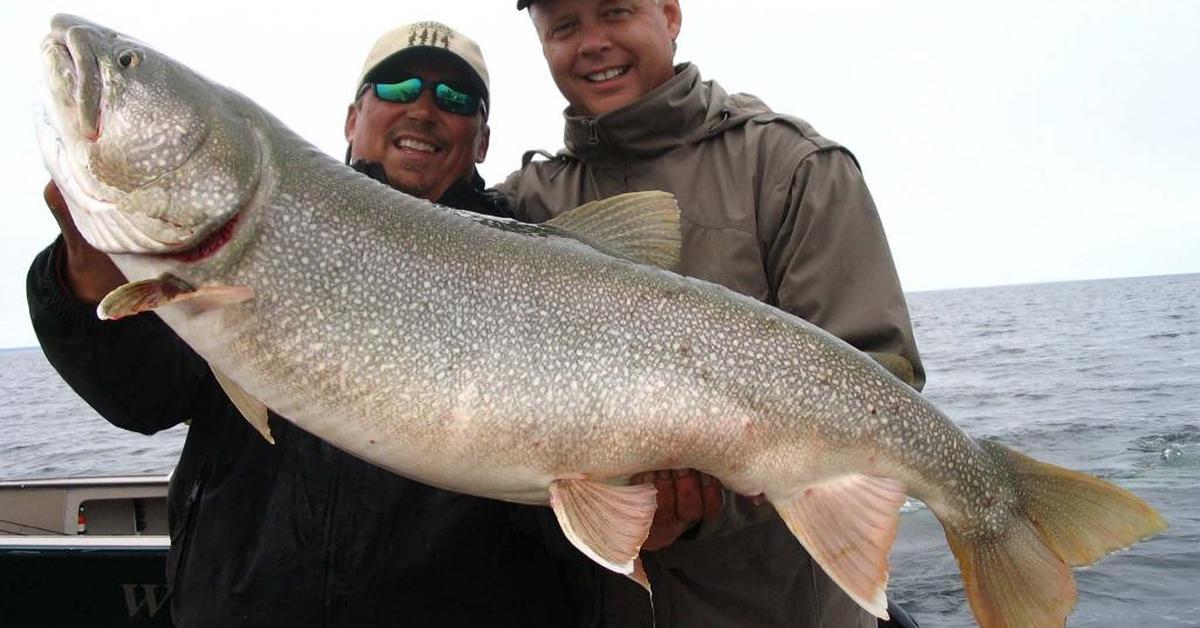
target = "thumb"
x: 62, y: 214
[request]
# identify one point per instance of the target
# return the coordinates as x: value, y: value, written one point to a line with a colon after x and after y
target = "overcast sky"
x: 1010, y: 142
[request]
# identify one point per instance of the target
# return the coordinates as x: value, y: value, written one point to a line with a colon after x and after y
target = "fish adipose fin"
x: 254, y: 410
x: 151, y: 294
x: 642, y: 227
x: 1062, y: 519
x: 896, y: 365
x: 848, y: 524
x: 608, y: 523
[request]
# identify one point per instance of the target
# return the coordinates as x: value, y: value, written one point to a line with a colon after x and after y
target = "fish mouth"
x: 68, y: 121
x: 122, y: 206
x: 73, y: 75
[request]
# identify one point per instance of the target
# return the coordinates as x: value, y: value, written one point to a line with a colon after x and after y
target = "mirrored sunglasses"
x: 446, y: 97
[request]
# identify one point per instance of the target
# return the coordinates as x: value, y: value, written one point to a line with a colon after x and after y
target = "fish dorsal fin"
x: 254, y: 410
x: 848, y: 524
x: 167, y: 289
x: 896, y: 365
x: 608, y: 523
x: 639, y: 226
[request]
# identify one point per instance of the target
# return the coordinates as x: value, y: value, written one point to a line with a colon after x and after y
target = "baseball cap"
x: 398, y: 43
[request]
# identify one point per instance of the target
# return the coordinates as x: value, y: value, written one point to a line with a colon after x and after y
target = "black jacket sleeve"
x: 135, y: 372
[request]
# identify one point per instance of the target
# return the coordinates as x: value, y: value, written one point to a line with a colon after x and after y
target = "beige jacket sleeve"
x: 827, y: 259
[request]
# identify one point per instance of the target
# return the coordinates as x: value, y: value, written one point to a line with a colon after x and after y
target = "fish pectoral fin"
x: 896, y: 365
x: 142, y: 296
x: 642, y: 227
x: 607, y: 523
x: 167, y: 289
x: 848, y: 524
x: 254, y: 410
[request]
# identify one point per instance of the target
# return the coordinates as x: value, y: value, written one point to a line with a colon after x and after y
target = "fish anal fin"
x: 848, y: 524
x: 251, y: 408
x: 607, y: 523
x: 642, y: 227
x: 167, y: 289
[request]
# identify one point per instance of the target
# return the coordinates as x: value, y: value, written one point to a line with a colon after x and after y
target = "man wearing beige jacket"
x: 769, y: 208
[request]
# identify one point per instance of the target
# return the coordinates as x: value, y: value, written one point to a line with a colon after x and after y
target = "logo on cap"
x: 430, y: 34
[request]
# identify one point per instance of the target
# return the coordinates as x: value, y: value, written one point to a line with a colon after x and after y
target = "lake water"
x: 1098, y: 376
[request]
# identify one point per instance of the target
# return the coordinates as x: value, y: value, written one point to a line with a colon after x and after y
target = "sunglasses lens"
x: 455, y: 101
x: 404, y: 91
x: 446, y: 97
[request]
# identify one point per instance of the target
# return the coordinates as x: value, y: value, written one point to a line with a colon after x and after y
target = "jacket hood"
x: 684, y: 110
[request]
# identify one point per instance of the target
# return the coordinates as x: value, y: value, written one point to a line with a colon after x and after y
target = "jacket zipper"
x: 186, y: 532
x: 593, y: 133
x: 330, y: 538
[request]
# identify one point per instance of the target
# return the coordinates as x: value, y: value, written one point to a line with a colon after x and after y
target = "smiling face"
x: 423, y: 149
x: 605, y: 54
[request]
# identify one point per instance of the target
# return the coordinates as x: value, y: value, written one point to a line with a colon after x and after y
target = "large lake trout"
x: 539, y: 364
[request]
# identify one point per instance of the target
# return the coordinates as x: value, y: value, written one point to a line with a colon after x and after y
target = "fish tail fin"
x: 1014, y: 579
x: 1022, y: 575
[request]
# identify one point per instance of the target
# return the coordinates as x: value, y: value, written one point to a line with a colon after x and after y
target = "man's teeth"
x: 416, y: 145
x: 605, y: 75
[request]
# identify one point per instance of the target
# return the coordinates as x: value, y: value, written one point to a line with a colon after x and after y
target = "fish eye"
x: 129, y: 58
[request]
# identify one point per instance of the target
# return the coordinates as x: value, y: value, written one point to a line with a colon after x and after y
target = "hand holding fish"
x: 87, y: 273
x: 685, y: 497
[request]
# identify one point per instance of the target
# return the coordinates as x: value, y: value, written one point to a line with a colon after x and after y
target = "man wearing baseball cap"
x: 300, y: 533
x: 771, y: 209
x: 420, y: 116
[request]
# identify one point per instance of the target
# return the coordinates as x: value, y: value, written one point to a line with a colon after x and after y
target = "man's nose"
x: 423, y: 107
x: 595, y: 40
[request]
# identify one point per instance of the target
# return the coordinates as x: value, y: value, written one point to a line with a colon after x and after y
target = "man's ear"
x: 674, y: 15
x: 485, y: 134
x: 351, y: 120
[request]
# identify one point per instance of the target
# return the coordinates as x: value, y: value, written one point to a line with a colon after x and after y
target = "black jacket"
x: 300, y: 533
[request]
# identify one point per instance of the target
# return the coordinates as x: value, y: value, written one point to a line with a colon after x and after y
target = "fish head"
x: 148, y: 154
